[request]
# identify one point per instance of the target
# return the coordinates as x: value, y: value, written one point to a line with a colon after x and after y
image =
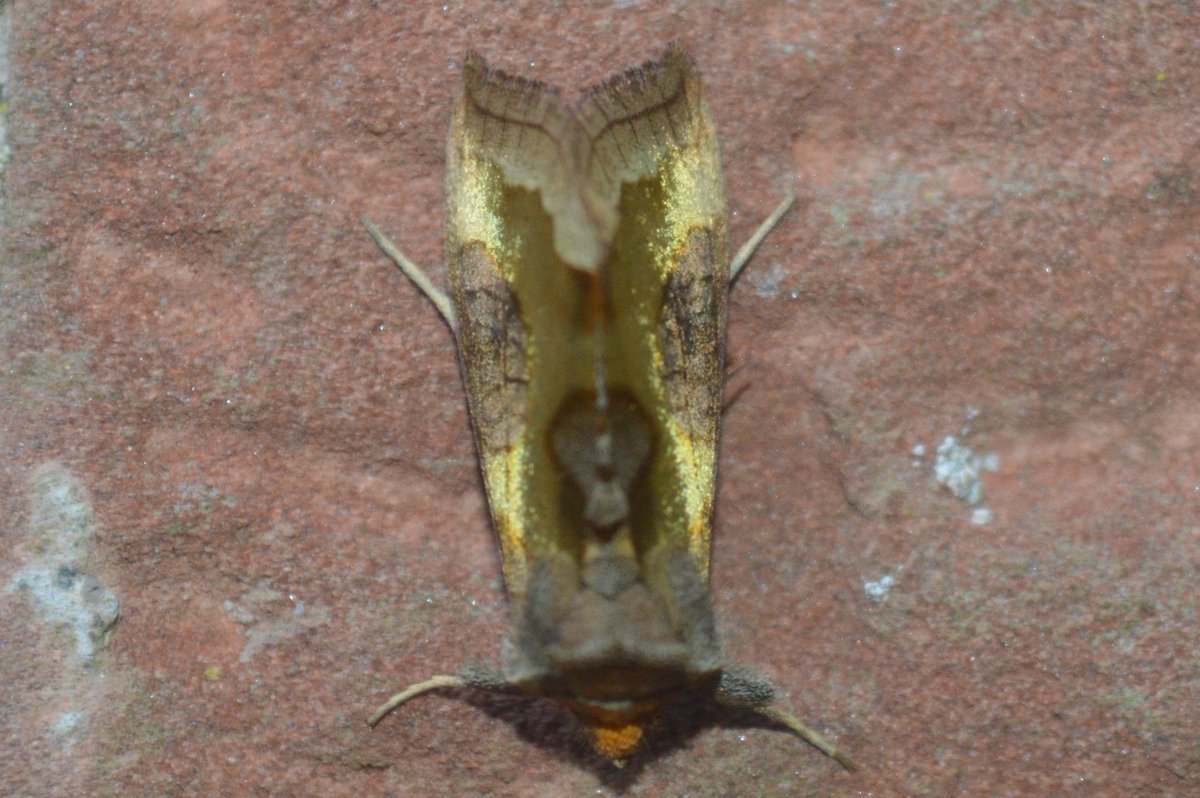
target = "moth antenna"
x: 747, y: 250
x: 435, y: 683
x: 808, y: 735
x: 415, y: 273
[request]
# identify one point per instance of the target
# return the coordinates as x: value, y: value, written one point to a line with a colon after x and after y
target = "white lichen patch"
x: 981, y: 516
x: 69, y: 722
x: 56, y: 576
x: 878, y: 589
x: 961, y: 470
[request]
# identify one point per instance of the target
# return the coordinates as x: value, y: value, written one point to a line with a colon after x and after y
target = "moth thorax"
x: 602, y: 442
x: 610, y: 566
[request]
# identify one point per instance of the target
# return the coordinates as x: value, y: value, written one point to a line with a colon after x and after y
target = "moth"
x: 589, y: 270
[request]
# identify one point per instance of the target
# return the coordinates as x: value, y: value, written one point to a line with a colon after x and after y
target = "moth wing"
x: 654, y: 155
x: 504, y: 152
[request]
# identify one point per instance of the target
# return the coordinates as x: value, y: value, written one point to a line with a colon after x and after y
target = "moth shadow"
x: 552, y: 728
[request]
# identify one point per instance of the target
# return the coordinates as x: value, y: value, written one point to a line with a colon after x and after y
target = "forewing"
x: 504, y: 134
x: 655, y: 152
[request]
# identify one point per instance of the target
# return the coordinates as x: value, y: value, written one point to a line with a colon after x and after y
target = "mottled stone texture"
x: 999, y: 228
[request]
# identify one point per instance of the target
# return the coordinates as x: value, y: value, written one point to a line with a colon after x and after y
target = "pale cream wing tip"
x: 526, y: 130
x: 577, y: 159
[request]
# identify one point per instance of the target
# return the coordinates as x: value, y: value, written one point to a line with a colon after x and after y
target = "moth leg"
x: 747, y: 250
x: 743, y: 689
x: 415, y: 273
x: 477, y: 676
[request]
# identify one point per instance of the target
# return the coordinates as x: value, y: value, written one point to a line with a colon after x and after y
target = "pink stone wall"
x: 259, y: 444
